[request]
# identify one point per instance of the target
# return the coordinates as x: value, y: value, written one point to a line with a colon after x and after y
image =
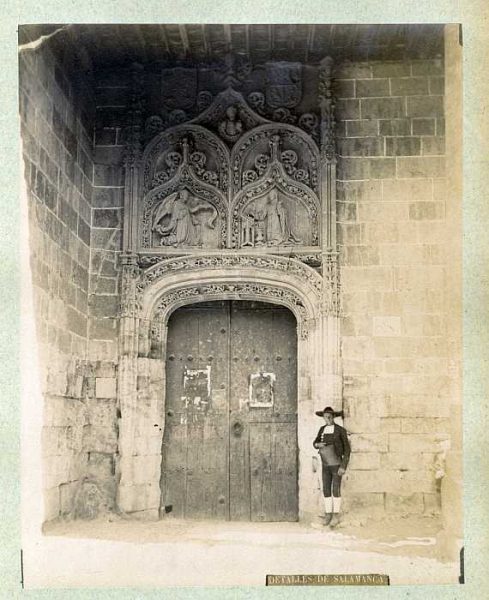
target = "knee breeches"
x: 331, y: 481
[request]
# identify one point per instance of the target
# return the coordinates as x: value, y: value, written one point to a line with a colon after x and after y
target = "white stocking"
x: 328, y: 505
x: 336, y: 504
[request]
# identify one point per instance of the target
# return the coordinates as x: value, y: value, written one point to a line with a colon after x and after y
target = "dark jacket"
x: 341, y: 443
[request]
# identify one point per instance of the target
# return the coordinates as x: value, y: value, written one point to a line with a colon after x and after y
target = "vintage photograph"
x: 245, y: 270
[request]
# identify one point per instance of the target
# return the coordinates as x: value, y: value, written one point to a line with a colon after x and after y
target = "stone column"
x: 329, y: 384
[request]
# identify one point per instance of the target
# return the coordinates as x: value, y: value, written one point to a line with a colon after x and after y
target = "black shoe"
x: 327, y: 519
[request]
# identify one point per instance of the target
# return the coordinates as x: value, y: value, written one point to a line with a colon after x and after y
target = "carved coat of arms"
x: 284, y: 84
x: 178, y: 88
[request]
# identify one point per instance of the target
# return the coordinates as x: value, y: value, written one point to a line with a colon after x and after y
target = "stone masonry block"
x: 371, y: 503
x: 406, y: 190
x: 105, y: 387
x: 393, y: 482
x: 389, y: 425
x: 132, y: 498
x: 433, y: 146
x: 404, y: 505
x: 353, y: 168
x: 409, y: 86
x: 383, y: 212
x: 359, y: 191
x: 382, y: 168
x: 362, y: 128
x: 391, y: 69
x: 437, y: 86
x: 395, y: 127
x: 348, y: 109
x: 421, y: 166
x: 364, y: 462
x: 383, y: 108
x: 427, y: 67
x: 425, y: 106
x: 361, y: 146
x: 372, y: 87
x: 402, y: 146
x: 353, y: 70
x: 426, y: 211
x: 140, y: 469
x: 414, y: 442
x: 425, y: 425
x: 107, y: 197
x: 373, y: 442
x: 387, y: 326
x: 424, y: 126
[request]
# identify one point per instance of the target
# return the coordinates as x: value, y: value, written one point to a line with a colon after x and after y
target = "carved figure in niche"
x: 231, y: 127
x: 180, y: 219
x: 268, y: 224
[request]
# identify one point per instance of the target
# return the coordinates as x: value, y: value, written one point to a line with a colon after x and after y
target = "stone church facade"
x: 223, y: 244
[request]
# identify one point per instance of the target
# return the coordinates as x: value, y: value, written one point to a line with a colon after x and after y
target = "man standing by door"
x: 334, y: 449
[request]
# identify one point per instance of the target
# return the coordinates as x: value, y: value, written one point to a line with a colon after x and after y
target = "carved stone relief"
x: 184, y: 214
x: 182, y: 219
x: 185, y: 146
x: 275, y: 211
x: 244, y: 291
x: 189, y: 263
x: 295, y: 151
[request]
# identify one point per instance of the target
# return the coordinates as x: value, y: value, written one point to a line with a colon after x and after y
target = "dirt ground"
x: 233, y: 553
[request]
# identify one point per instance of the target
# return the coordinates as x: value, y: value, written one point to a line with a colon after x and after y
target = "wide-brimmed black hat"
x: 328, y: 409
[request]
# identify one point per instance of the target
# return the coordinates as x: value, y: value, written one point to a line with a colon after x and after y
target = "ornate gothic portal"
x: 229, y: 196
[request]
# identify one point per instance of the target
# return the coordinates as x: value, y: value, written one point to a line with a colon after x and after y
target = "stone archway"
x: 172, y: 283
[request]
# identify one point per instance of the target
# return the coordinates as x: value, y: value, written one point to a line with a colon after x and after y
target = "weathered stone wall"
x: 393, y: 235
x: 108, y: 198
x: 79, y: 436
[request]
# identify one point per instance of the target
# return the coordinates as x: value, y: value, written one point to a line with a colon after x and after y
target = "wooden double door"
x: 230, y: 441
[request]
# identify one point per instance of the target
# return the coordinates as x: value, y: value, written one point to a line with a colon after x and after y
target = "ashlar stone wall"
x: 79, y: 435
x: 393, y: 234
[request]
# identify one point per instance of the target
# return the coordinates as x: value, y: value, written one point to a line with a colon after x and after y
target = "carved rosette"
x: 240, y: 291
x: 327, y: 106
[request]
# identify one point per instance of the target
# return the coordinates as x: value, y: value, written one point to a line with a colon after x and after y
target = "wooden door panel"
x: 195, y: 445
x: 225, y: 457
x: 263, y: 340
x: 273, y: 452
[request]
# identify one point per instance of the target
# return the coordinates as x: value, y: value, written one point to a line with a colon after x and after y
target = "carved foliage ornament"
x: 327, y: 105
x: 245, y: 291
x: 191, y: 146
x: 277, y: 263
x: 297, y: 154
